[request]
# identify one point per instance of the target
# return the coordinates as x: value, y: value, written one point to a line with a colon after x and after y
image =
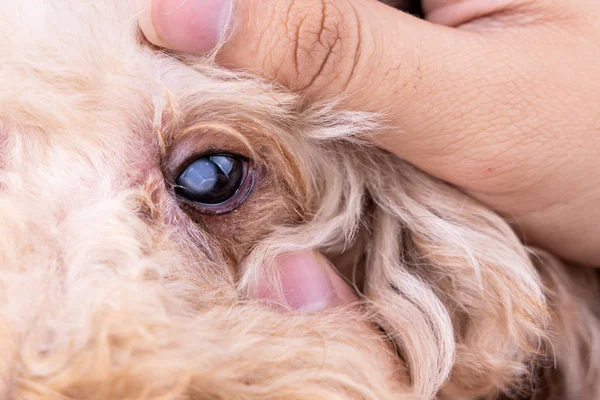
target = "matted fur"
x: 111, y: 289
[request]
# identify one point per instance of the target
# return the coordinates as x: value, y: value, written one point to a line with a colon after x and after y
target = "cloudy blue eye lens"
x: 211, y: 180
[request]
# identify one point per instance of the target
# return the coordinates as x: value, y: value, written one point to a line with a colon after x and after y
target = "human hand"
x: 500, y: 98
x: 308, y: 283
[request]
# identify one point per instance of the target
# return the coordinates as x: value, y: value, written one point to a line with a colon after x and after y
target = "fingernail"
x: 194, y: 26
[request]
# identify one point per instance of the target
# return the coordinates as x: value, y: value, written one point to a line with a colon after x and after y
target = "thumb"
x: 372, y: 56
x: 450, y: 96
x: 362, y: 50
x: 307, y: 281
x: 191, y: 26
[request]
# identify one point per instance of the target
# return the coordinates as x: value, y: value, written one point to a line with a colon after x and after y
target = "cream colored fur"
x: 109, y: 290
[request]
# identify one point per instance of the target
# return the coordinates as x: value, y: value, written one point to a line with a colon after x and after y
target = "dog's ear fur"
x: 450, y: 282
x: 473, y: 311
x: 573, y: 356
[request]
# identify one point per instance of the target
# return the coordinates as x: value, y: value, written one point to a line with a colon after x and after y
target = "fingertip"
x: 192, y: 26
x: 308, y: 282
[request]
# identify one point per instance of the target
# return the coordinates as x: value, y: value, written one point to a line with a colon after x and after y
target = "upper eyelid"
x: 198, y: 141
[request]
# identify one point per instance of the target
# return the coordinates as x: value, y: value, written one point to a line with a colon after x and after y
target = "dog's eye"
x: 215, y: 183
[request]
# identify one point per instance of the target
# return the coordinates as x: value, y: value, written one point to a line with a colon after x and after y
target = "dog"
x: 143, y: 194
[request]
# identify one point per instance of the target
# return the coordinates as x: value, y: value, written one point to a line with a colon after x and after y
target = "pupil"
x: 211, y: 180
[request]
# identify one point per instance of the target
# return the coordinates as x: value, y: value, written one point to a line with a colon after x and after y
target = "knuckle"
x: 314, y: 46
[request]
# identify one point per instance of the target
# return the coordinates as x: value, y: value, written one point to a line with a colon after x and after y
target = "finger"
x: 308, y: 282
x: 196, y: 26
x: 193, y: 26
x: 374, y: 57
x: 379, y: 59
x: 458, y: 12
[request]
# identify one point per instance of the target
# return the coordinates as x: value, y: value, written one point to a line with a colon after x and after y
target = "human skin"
x: 499, y: 98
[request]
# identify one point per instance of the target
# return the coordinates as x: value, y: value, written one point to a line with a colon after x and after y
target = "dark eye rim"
x: 241, y: 194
